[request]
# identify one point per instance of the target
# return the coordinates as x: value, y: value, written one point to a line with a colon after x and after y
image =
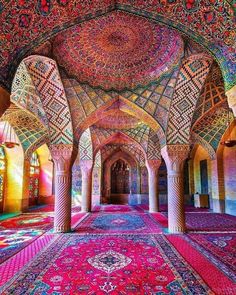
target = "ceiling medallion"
x: 118, y: 51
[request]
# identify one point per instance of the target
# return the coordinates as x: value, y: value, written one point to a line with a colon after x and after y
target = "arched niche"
x: 108, y: 197
x: 45, y: 176
x: 229, y: 172
x: 202, y: 172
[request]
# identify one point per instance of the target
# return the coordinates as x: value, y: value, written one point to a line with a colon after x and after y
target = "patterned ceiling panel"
x: 26, y: 24
x: 210, y: 23
x: 118, y: 51
x: 212, y: 127
x: 154, y: 100
x: 142, y: 134
x: 213, y: 93
x: 118, y: 120
x: 109, y: 149
x: 28, y: 128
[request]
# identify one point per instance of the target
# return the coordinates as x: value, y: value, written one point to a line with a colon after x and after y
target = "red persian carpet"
x: 210, y: 222
x: 213, y: 275
x: 115, y: 264
x: 218, y: 248
x: 119, y: 223
x: 26, y: 221
x: 11, y: 266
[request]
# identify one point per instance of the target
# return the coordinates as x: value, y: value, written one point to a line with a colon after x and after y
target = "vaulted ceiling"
x: 26, y: 25
x: 136, y: 73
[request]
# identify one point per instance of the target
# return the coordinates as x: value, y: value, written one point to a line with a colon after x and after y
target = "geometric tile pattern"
x: 86, y: 146
x: 190, y: 81
x: 213, y: 126
x: 98, y: 160
x: 109, y: 149
x: 45, y: 80
x: 24, y: 94
x: 212, y: 95
x: 142, y: 134
x: 154, y: 100
x: 196, y: 139
x: 29, y: 130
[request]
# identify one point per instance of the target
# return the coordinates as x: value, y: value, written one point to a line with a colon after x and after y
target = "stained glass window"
x: 34, y: 176
x: 2, y: 173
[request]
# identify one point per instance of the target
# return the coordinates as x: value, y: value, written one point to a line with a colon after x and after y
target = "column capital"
x: 231, y: 97
x: 174, y: 155
x: 153, y: 165
x: 61, y: 155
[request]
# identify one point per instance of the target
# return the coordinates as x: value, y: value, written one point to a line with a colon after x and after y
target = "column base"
x: 177, y: 230
x: 153, y: 210
x: 218, y: 206
x: 85, y: 209
x: 62, y: 229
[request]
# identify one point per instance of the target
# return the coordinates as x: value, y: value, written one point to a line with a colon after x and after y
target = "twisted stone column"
x: 61, y: 155
x: 153, y: 167
x: 87, y: 175
x: 174, y: 156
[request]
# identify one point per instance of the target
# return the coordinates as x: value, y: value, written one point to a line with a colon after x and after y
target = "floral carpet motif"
x: 119, y: 222
x: 98, y: 264
x: 12, y: 241
x: 26, y: 221
x: 219, y: 248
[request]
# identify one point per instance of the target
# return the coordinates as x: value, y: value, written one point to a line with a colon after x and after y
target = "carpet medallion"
x: 119, y: 222
x: 12, y: 241
x: 115, y: 264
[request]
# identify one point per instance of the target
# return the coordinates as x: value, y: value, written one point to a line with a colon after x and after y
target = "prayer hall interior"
x: 118, y: 147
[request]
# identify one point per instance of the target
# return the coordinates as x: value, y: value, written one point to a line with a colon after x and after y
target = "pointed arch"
x: 37, y: 87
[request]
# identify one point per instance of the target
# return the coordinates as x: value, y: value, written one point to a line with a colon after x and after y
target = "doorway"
x: 120, y: 177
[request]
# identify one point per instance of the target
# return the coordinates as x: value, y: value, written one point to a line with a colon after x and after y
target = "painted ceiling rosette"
x: 118, y: 51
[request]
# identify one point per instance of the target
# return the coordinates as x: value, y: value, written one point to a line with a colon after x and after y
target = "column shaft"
x: 62, y: 159
x: 153, y: 167
x: 87, y: 175
x: 174, y: 156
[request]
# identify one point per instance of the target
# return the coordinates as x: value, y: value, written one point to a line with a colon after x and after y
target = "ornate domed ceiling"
x: 118, y: 51
x: 118, y: 120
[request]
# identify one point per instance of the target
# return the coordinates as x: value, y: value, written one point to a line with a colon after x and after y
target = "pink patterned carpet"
x: 98, y: 264
x: 118, y: 252
x: 28, y: 221
x: 218, y: 248
x: 210, y: 222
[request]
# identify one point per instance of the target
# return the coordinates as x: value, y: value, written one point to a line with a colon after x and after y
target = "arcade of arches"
x: 127, y: 105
